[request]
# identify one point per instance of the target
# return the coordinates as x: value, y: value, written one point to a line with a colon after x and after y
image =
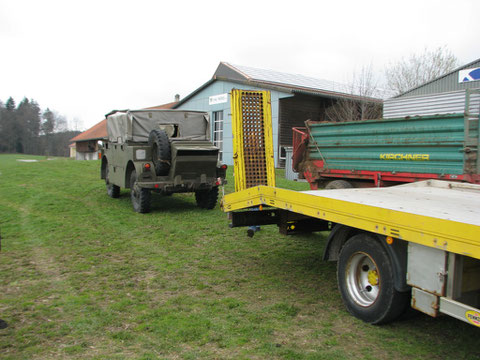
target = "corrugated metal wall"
x: 293, y: 113
x: 443, y: 103
x: 445, y: 84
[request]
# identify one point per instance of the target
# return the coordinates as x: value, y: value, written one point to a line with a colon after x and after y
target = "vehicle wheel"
x: 140, y: 196
x: 365, y: 279
x: 339, y: 184
x: 112, y: 190
x: 207, y: 199
x: 161, y: 155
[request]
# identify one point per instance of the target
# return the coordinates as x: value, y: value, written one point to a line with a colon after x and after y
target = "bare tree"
x: 76, y: 124
x: 61, y: 123
x: 409, y: 73
x: 363, y: 99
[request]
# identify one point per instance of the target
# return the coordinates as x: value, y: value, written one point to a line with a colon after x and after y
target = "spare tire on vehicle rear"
x: 161, y: 155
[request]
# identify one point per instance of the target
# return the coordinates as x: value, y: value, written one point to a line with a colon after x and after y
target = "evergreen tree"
x: 25, y: 129
x: 28, y: 114
x: 2, y: 126
x: 48, y: 126
x: 8, y: 138
x: 10, y: 104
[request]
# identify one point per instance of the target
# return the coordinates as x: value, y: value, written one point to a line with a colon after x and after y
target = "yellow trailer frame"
x: 441, y: 233
x: 428, y: 232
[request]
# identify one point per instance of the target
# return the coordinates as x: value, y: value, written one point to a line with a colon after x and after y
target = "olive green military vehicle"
x: 165, y: 151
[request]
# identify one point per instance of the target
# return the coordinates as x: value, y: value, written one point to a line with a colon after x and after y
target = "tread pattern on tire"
x: 339, y: 184
x: 112, y: 190
x: 207, y: 199
x: 161, y: 154
x: 141, y: 202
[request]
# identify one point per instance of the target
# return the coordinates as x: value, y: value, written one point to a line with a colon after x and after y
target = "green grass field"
x: 84, y: 277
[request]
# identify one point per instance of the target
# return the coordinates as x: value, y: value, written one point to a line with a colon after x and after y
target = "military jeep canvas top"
x: 136, y: 125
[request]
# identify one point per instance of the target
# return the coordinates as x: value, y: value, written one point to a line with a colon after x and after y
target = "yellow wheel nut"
x: 373, y: 277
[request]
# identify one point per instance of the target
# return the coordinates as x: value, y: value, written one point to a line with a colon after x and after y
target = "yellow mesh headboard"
x: 252, y: 139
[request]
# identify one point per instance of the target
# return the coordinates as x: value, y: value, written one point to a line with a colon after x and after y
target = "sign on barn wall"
x: 218, y: 99
x: 469, y: 75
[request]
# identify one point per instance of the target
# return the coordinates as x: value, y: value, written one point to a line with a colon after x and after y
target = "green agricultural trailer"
x: 389, y: 151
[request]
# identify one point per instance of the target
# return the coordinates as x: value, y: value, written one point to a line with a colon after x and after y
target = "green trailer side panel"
x: 427, y: 144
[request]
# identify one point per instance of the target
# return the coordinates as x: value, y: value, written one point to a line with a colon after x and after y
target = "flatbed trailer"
x: 416, y: 244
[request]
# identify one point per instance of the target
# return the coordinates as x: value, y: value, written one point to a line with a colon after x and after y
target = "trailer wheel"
x: 112, y: 190
x: 207, y: 199
x: 339, y: 184
x: 161, y: 155
x: 140, y: 197
x: 366, y: 281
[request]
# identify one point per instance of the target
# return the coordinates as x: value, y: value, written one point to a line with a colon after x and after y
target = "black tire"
x: 207, y: 199
x: 112, y: 190
x: 366, y: 281
x: 161, y: 155
x: 141, y: 197
x: 338, y: 184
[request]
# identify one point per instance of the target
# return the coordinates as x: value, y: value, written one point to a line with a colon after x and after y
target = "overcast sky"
x: 85, y: 58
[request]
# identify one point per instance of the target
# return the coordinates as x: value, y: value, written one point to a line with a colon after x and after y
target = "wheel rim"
x: 363, y: 279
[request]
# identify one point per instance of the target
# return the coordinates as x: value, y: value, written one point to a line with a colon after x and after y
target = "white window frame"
x: 218, y: 122
x: 282, y: 151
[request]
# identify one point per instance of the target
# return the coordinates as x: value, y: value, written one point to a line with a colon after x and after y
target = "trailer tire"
x: 207, y: 199
x: 112, y: 190
x: 339, y: 184
x: 161, y: 154
x: 140, y: 197
x: 366, y: 281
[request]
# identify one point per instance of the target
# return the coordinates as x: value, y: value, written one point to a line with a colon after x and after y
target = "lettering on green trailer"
x: 407, y: 157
